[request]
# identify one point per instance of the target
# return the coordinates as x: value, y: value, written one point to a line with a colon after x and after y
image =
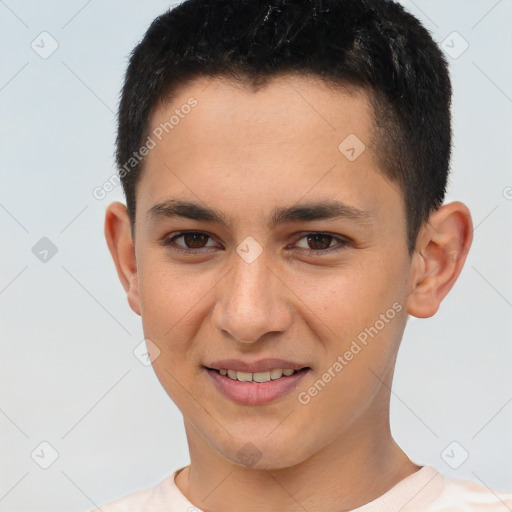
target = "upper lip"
x: 261, y: 365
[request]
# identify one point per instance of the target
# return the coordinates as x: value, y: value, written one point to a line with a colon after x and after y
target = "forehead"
x: 285, y: 108
x: 293, y: 138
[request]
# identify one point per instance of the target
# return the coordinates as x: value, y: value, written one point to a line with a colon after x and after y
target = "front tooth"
x: 244, y: 376
x: 276, y: 374
x: 261, y: 376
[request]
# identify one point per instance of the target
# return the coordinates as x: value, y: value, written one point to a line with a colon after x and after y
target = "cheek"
x: 347, y: 296
x: 363, y: 301
x: 172, y: 296
x: 174, y: 304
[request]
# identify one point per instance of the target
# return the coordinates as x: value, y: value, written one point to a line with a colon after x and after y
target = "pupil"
x: 314, y: 238
x: 196, y: 240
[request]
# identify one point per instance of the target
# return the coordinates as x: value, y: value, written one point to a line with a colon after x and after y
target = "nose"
x: 251, y: 301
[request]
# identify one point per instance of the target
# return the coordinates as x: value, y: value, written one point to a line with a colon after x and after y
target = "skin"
x: 245, y: 153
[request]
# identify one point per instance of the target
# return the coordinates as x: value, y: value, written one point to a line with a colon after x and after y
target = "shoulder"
x: 457, y: 494
x: 151, y: 499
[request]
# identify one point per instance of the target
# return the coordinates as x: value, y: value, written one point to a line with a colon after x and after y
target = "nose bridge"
x: 251, y: 282
x: 250, y: 302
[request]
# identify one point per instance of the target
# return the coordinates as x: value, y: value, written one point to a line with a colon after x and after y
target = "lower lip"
x: 256, y: 393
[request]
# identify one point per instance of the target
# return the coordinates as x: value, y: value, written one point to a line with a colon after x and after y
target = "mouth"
x: 256, y: 388
x: 257, y: 377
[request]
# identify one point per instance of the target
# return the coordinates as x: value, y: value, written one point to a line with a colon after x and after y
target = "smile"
x: 256, y: 388
x: 257, y: 376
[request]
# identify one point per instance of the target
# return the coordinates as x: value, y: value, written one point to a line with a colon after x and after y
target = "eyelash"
x: 342, y: 243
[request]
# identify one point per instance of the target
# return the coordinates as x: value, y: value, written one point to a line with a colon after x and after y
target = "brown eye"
x: 320, y: 243
x: 192, y: 241
x: 195, y: 240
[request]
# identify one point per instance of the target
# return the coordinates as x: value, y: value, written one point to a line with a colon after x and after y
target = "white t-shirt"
x: 425, y: 490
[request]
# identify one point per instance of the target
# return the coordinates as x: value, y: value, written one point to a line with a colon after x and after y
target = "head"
x: 307, y: 146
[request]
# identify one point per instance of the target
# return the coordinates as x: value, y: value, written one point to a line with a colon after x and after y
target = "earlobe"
x: 441, y: 250
x: 122, y: 248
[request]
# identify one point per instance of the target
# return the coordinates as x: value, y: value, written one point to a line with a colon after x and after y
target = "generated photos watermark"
x: 157, y: 135
x: 361, y: 341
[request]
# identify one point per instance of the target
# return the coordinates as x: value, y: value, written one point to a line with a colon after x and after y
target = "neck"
x: 353, y: 469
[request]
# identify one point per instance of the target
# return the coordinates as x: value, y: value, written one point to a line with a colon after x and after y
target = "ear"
x: 440, y: 254
x: 122, y: 248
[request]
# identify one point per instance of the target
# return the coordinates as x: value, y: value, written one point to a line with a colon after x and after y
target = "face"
x: 295, y: 250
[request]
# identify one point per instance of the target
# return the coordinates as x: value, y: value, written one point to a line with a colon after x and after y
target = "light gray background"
x: 68, y: 374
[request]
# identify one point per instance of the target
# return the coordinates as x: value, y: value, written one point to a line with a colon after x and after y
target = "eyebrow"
x: 322, y: 210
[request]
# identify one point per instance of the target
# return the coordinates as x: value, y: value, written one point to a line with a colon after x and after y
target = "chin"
x: 263, y: 454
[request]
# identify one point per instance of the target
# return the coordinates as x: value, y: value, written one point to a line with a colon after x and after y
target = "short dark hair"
x: 372, y: 44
